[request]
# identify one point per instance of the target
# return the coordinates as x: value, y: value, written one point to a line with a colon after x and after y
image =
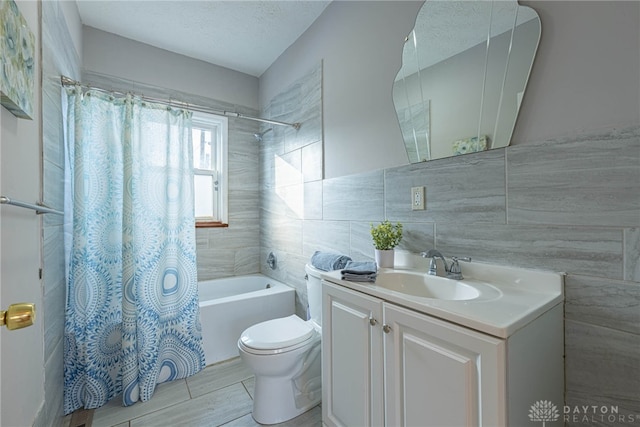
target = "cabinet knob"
x: 386, y: 328
x: 18, y: 316
x: 372, y: 321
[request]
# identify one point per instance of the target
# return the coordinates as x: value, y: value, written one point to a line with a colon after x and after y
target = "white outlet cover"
x: 417, y: 198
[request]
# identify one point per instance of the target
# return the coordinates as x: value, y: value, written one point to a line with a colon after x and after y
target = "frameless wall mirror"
x: 464, y: 71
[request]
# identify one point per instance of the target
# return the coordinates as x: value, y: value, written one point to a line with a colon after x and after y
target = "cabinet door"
x: 352, y: 370
x: 440, y: 374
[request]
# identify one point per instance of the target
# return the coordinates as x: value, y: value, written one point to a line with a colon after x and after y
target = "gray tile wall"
x: 291, y: 186
x: 570, y: 205
x: 58, y: 57
x: 235, y: 250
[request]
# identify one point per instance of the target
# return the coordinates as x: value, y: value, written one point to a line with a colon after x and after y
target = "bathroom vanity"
x: 414, y: 349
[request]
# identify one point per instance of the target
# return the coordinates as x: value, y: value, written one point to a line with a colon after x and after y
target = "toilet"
x: 284, y: 355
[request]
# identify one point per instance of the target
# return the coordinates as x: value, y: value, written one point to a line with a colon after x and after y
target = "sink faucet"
x: 453, y: 271
x: 433, y: 266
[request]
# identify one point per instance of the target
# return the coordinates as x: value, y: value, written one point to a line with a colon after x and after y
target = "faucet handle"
x: 454, y: 271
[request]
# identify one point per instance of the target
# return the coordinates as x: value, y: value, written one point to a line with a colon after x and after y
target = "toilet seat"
x: 277, y: 335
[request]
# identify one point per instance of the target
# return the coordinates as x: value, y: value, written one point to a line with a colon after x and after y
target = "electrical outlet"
x: 418, y: 201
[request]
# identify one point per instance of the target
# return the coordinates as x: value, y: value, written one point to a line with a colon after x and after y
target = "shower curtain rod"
x: 66, y: 81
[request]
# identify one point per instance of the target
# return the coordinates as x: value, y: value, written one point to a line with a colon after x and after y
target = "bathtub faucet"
x: 272, y: 261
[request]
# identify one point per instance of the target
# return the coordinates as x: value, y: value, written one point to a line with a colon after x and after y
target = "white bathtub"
x: 229, y: 306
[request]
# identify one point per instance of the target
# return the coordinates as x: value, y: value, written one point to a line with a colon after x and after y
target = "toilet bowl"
x: 284, y: 354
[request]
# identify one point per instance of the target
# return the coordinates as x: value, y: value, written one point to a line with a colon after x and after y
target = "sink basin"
x: 495, y: 299
x: 426, y: 286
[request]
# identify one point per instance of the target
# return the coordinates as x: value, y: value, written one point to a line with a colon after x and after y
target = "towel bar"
x: 38, y: 207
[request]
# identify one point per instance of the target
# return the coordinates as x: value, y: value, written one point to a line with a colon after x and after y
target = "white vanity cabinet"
x: 352, y: 358
x: 383, y: 364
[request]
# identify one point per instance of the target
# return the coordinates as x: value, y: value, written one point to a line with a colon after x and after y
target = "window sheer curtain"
x: 131, y: 317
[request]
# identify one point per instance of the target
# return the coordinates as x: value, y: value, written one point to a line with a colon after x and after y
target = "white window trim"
x: 222, y: 126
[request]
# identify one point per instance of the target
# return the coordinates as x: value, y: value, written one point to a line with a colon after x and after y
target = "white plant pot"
x: 384, y: 258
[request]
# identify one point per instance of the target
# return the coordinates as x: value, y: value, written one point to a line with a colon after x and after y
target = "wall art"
x: 17, y: 69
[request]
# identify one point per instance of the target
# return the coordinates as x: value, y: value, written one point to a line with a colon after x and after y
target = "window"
x: 209, y: 134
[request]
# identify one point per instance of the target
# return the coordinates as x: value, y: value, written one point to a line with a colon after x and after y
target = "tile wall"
x: 291, y: 172
x: 235, y: 250
x: 570, y: 205
x: 58, y: 57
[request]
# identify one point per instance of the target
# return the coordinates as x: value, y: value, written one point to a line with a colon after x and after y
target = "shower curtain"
x: 131, y: 316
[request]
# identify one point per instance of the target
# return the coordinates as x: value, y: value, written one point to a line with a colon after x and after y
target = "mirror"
x: 464, y: 71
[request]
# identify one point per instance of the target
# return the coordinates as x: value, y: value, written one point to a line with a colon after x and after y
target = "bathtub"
x: 229, y: 306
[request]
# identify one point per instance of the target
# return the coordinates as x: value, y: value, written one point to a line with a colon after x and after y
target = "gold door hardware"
x: 19, y: 315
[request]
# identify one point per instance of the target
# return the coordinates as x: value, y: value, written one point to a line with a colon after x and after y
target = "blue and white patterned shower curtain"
x: 132, y: 318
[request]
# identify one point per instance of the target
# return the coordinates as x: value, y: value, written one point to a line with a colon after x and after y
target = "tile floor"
x: 220, y: 395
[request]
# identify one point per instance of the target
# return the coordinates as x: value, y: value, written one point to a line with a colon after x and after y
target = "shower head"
x: 260, y: 135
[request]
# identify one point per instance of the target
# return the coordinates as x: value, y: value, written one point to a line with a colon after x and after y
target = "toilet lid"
x: 277, y: 333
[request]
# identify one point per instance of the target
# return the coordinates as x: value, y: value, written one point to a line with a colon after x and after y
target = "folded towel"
x: 359, y: 277
x: 360, y: 271
x: 360, y: 267
x: 327, y: 261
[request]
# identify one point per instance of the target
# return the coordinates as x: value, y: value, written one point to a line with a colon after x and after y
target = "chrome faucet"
x: 433, y: 266
x: 453, y: 272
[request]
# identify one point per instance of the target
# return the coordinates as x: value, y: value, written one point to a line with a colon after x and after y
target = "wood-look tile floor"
x: 220, y: 395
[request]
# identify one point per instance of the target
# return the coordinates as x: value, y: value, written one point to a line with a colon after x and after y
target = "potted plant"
x: 386, y: 237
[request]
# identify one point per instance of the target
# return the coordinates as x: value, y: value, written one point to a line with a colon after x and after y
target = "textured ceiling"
x: 246, y: 36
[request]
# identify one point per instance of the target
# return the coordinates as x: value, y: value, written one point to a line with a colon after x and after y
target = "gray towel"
x: 360, y: 267
x: 360, y: 271
x: 327, y: 261
x: 359, y: 277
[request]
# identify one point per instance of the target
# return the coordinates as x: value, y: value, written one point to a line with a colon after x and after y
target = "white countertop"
x: 509, y: 297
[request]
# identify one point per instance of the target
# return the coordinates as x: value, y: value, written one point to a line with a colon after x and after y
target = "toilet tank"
x: 314, y: 293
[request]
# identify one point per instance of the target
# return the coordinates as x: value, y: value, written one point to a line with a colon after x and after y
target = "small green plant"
x: 386, y: 235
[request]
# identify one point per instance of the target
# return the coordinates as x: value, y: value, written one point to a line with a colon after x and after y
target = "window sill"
x: 210, y: 224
